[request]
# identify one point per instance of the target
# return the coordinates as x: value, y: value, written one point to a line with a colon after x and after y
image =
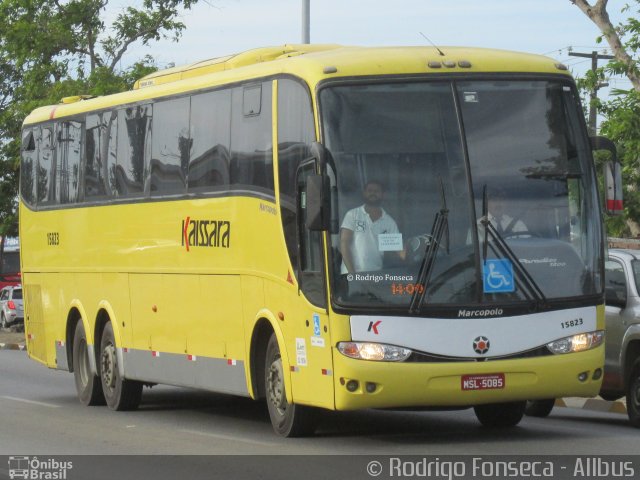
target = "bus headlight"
x: 374, y: 351
x: 577, y: 343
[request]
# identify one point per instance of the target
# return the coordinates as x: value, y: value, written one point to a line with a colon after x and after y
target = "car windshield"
x: 514, y: 192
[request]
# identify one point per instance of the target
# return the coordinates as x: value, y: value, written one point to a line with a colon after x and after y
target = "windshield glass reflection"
x: 399, y: 157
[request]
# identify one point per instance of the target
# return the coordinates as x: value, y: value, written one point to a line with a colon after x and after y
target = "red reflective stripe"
x: 53, y: 112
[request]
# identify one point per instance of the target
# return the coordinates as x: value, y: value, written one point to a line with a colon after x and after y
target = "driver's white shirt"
x: 364, y: 250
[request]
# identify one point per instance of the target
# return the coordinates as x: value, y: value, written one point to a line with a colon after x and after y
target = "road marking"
x: 32, y: 402
x: 230, y: 438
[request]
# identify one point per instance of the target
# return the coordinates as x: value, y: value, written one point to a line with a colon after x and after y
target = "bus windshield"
x: 506, y: 166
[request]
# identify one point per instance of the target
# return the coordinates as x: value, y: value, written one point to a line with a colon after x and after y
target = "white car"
x: 11, y: 309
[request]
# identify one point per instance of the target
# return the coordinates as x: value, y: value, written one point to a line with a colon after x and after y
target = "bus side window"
x: 134, y: 141
x: 251, y: 138
x: 68, y: 153
x: 29, y: 160
x: 171, y: 146
x: 46, y: 168
x: 96, y: 141
x: 210, y: 141
x: 295, y: 133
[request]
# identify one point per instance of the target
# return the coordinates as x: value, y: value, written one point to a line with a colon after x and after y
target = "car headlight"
x: 577, y: 343
x: 374, y: 351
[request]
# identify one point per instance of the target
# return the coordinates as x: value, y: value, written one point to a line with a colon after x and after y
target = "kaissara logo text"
x: 205, y: 233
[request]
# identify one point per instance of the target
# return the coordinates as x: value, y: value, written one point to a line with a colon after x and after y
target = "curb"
x: 593, y: 404
x: 12, y: 346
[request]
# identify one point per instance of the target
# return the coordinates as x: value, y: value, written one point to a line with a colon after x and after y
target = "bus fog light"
x: 577, y: 343
x: 583, y: 376
x: 597, y: 374
x: 373, y: 351
x: 370, y: 387
x: 352, y: 385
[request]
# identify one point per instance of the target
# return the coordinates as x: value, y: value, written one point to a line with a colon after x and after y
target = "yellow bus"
x: 323, y: 227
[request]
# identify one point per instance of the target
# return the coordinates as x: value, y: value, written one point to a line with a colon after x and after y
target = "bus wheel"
x: 288, y: 419
x: 120, y: 394
x: 87, y: 384
x: 633, y: 395
x: 539, y: 408
x: 500, y: 414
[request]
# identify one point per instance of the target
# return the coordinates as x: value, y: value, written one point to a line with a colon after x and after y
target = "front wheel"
x: 539, y: 408
x: 120, y: 393
x: 500, y: 414
x: 633, y: 395
x: 288, y: 419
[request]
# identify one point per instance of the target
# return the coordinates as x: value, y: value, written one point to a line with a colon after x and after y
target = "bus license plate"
x: 492, y: 381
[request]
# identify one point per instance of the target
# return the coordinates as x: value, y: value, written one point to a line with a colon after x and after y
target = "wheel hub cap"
x: 109, y: 366
x: 275, y: 387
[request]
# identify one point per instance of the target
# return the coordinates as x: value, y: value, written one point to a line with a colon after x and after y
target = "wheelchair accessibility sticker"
x: 497, y: 276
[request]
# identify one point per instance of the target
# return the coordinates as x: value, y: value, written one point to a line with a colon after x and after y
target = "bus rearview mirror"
x: 317, y: 203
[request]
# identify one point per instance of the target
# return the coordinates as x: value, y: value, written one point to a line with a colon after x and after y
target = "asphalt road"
x: 39, y: 414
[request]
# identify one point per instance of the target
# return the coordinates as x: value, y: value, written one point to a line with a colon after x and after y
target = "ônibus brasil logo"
x: 205, y: 233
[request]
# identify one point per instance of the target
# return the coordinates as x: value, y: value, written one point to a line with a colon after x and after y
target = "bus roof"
x: 313, y: 63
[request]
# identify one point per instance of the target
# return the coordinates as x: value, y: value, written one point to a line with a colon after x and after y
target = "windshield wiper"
x: 440, y: 226
x: 500, y: 248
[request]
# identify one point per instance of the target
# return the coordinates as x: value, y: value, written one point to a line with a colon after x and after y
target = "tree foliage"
x: 50, y: 49
x: 622, y: 112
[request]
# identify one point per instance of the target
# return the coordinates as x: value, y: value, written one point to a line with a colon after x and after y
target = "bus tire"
x: 288, y: 419
x: 500, y: 414
x: 539, y: 408
x: 87, y: 384
x: 633, y: 395
x: 120, y: 393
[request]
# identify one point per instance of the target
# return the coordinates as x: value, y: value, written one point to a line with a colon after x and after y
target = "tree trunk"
x: 598, y: 15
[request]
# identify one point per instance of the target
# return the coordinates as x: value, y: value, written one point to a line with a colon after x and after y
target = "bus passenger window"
x: 251, y: 148
x: 46, y: 169
x: 210, y: 138
x: 28, y: 166
x: 95, y: 157
x: 134, y: 138
x: 68, y: 153
x: 171, y: 146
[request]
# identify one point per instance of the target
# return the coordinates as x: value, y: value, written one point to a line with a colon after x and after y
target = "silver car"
x: 622, y: 340
x: 11, y: 309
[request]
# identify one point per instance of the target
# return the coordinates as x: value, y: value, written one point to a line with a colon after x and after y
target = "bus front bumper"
x: 368, y: 384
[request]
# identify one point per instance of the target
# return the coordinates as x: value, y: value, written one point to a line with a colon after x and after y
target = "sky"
x: 221, y: 27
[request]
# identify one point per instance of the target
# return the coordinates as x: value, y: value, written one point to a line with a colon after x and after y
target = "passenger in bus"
x: 367, y: 232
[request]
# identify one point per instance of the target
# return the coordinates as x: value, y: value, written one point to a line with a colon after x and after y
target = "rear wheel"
x: 288, y: 419
x: 500, y: 414
x: 539, y: 408
x: 633, y: 395
x: 120, y: 393
x: 87, y: 384
x: 3, y: 321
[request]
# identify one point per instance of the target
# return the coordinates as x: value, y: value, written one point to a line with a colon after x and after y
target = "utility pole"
x: 594, y: 56
x: 306, y: 20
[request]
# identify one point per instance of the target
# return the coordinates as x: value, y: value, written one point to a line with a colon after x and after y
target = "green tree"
x: 622, y: 112
x: 50, y: 49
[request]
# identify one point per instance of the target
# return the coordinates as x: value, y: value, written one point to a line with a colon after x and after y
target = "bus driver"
x: 367, y: 232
